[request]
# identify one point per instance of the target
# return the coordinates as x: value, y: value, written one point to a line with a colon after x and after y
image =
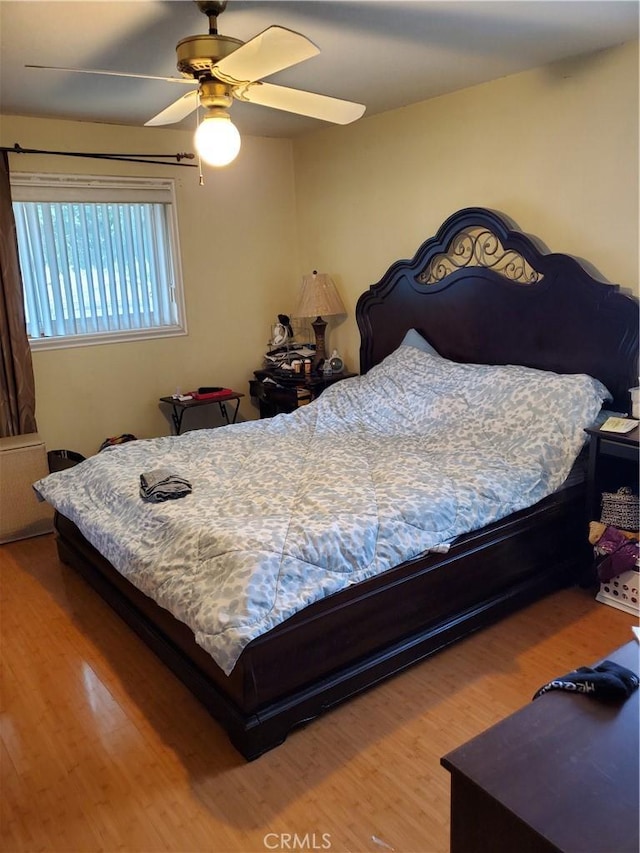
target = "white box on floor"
x: 622, y: 592
x: 23, y: 460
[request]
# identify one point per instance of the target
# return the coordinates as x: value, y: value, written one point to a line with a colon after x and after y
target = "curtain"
x: 17, y: 386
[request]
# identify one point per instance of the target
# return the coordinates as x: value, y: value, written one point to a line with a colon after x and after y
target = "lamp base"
x: 319, y: 326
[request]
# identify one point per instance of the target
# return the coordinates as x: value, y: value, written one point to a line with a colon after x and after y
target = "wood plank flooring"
x: 102, y: 749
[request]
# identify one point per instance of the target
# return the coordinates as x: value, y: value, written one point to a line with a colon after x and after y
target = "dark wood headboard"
x: 481, y: 291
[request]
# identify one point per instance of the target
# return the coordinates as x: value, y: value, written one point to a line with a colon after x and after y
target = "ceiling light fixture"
x: 217, y: 139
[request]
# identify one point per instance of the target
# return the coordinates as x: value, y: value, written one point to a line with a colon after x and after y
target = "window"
x: 99, y: 258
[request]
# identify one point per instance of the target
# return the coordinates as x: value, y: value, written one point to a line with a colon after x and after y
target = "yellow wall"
x: 237, y: 242
x: 556, y: 149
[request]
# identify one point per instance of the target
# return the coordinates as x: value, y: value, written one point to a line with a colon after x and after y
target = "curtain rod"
x: 127, y: 158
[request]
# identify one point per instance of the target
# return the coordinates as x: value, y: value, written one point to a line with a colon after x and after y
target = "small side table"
x: 179, y: 407
x: 613, y: 462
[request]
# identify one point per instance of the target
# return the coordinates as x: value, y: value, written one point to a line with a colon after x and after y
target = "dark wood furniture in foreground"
x: 559, y: 775
x: 464, y: 291
x: 278, y: 392
x: 179, y: 407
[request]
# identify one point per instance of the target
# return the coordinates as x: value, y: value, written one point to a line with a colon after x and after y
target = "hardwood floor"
x: 102, y: 749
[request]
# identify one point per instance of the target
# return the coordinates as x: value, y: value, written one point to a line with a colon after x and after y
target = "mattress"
x: 284, y: 512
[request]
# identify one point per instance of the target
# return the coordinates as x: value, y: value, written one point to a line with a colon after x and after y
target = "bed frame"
x: 480, y: 291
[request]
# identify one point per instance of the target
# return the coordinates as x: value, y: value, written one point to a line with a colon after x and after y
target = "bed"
x: 480, y: 293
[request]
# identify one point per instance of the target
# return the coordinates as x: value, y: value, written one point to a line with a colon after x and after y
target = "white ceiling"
x: 382, y: 54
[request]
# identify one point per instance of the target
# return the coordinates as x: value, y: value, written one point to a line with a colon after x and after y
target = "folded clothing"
x: 597, y: 530
x: 161, y: 484
x: 615, y: 551
x: 608, y: 680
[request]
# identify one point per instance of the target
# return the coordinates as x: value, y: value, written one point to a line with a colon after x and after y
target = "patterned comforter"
x: 283, y: 512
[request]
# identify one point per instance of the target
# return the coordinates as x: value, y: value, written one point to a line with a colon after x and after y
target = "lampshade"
x: 318, y: 297
x: 217, y: 139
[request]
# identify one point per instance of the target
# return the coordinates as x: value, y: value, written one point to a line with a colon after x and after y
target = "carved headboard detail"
x: 482, y: 291
x: 479, y: 247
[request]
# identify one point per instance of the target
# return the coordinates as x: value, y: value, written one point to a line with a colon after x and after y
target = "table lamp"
x: 318, y: 297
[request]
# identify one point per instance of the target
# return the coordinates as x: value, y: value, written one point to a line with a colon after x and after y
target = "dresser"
x: 561, y: 774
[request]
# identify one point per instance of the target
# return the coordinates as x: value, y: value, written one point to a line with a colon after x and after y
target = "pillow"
x: 415, y: 339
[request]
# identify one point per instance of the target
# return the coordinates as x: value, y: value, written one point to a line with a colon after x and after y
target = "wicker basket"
x: 620, y: 509
x: 622, y: 592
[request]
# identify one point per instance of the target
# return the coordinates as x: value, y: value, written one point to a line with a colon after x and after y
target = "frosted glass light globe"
x: 217, y: 140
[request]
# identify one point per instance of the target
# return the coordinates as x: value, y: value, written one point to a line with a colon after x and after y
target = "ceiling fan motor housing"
x: 198, y: 54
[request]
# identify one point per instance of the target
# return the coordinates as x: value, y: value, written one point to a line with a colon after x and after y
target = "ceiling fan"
x: 224, y: 68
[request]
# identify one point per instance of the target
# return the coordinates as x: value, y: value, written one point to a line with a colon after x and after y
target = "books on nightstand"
x: 619, y: 424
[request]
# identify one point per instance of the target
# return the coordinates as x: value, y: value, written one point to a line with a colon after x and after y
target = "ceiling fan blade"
x: 185, y: 80
x: 303, y: 103
x: 270, y: 51
x: 176, y: 111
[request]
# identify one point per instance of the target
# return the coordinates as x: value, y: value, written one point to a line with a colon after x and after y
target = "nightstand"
x: 613, y: 462
x: 279, y: 393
